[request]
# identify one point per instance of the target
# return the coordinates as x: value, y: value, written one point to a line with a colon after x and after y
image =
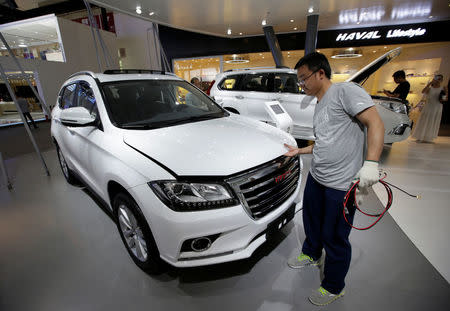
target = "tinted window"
x: 68, y: 96
x: 286, y: 83
x: 158, y: 103
x: 257, y: 82
x: 86, y: 98
x: 230, y: 83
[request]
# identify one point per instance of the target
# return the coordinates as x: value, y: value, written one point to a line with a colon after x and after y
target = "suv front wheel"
x: 68, y: 175
x: 136, y: 234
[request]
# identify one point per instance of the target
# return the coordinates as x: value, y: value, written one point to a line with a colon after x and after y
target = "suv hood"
x: 217, y: 147
x: 364, y: 73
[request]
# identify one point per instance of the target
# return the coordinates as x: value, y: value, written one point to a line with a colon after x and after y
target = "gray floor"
x: 60, y: 251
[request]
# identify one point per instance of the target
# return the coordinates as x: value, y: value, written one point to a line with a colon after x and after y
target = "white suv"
x: 245, y: 92
x: 187, y: 181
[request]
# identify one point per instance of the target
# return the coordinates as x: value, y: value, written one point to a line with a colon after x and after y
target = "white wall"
x: 80, y: 55
x: 136, y: 37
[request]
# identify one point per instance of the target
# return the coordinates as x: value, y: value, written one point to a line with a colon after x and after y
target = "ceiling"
x: 38, y: 31
x: 244, y: 17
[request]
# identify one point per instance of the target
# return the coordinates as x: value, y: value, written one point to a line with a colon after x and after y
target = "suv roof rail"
x: 79, y: 73
x: 134, y: 71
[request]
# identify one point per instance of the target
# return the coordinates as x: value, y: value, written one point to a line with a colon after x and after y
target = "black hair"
x: 194, y: 79
x: 315, y: 61
x: 399, y: 74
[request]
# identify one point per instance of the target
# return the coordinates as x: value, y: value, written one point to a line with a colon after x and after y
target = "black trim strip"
x: 155, y: 161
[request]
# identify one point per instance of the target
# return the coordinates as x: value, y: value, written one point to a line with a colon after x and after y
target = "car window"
x: 262, y: 82
x: 230, y: 83
x: 158, y: 103
x: 68, y: 96
x: 86, y: 98
x: 286, y: 83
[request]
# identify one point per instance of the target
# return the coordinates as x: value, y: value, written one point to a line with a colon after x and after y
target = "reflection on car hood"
x: 217, y: 147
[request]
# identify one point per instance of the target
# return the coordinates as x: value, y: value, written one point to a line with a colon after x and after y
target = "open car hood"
x: 364, y: 73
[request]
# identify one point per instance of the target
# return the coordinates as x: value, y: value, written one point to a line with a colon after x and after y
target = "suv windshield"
x: 158, y: 103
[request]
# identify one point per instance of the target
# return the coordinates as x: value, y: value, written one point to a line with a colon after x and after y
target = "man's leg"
x: 27, y: 115
x: 335, y: 233
x: 313, y: 211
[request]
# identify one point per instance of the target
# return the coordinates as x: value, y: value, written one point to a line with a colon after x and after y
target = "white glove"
x: 368, y: 175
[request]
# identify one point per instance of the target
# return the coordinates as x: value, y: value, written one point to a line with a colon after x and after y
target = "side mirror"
x: 77, y: 116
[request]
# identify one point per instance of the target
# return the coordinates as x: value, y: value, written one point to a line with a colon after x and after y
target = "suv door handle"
x: 239, y: 97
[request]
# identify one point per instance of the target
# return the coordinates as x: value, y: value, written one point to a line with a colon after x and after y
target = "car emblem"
x: 282, y: 176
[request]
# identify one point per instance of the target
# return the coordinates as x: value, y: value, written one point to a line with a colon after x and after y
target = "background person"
x: 427, y: 127
x: 341, y: 113
x: 403, y: 87
x: 23, y: 104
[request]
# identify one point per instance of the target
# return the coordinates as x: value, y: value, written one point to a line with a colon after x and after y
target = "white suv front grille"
x: 264, y: 189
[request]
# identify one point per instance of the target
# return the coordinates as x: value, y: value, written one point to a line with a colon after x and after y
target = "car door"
x: 299, y: 106
x: 229, y: 94
x: 85, y: 147
x: 65, y: 100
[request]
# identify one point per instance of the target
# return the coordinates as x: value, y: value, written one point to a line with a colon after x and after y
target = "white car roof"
x: 256, y: 70
x: 102, y: 77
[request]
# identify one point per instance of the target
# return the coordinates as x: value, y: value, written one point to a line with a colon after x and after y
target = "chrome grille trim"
x: 264, y: 189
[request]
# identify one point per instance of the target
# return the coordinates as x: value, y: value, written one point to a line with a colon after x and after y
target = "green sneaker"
x: 301, y: 261
x: 322, y: 297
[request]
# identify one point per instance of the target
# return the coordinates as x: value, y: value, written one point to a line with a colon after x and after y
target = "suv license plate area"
x: 276, y: 225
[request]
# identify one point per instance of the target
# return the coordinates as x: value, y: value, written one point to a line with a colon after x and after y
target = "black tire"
x: 67, y: 172
x: 152, y: 263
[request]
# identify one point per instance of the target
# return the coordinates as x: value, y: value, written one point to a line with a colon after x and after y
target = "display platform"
x: 60, y: 250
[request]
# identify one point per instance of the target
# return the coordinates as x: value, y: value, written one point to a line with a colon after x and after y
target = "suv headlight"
x: 395, y: 107
x: 185, y: 196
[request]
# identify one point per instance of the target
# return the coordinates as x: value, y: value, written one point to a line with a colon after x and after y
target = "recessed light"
x: 310, y: 10
x: 291, y: 20
x: 289, y: 52
x: 264, y: 22
x: 240, y: 33
x: 430, y: 16
x: 374, y: 51
x: 385, y: 47
x: 151, y: 13
x: 138, y: 10
x: 295, y: 28
x: 358, y: 23
x: 260, y: 54
x: 229, y: 31
x: 23, y: 45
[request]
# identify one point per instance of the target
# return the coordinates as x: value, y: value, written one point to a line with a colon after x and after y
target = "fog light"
x: 200, y: 244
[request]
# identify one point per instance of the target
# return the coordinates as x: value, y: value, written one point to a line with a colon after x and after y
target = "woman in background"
x: 427, y: 127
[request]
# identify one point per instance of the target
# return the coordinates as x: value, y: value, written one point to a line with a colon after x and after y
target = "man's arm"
x: 293, y: 151
x: 375, y: 132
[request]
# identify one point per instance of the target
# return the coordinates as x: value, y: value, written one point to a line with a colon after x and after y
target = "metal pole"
x: 93, y: 36
x: 312, y: 27
x: 47, y: 110
x: 27, y: 128
x: 5, y: 173
x: 274, y: 46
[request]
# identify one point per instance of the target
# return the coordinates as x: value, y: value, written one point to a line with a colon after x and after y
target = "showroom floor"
x: 61, y: 251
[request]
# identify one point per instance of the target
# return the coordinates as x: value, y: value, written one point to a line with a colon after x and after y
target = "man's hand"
x: 293, y: 151
x: 368, y: 175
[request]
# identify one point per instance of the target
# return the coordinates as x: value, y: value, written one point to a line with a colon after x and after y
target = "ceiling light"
x: 292, y: 20
x: 151, y: 13
x: 339, y: 54
x: 374, y: 51
x: 23, y: 45
x: 295, y: 28
x: 229, y: 31
x: 310, y: 10
x: 240, y: 33
x: 385, y: 47
x: 138, y: 10
x: 236, y: 59
x: 430, y: 16
x: 358, y: 23
x: 260, y: 54
x: 264, y: 22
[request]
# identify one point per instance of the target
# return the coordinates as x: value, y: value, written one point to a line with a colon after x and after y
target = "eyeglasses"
x: 303, y: 82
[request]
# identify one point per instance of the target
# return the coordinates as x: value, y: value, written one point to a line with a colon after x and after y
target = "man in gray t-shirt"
x: 23, y: 104
x: 343, y: 111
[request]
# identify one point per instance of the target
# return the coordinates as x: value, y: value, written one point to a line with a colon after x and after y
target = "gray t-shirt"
x: 338, y: 149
